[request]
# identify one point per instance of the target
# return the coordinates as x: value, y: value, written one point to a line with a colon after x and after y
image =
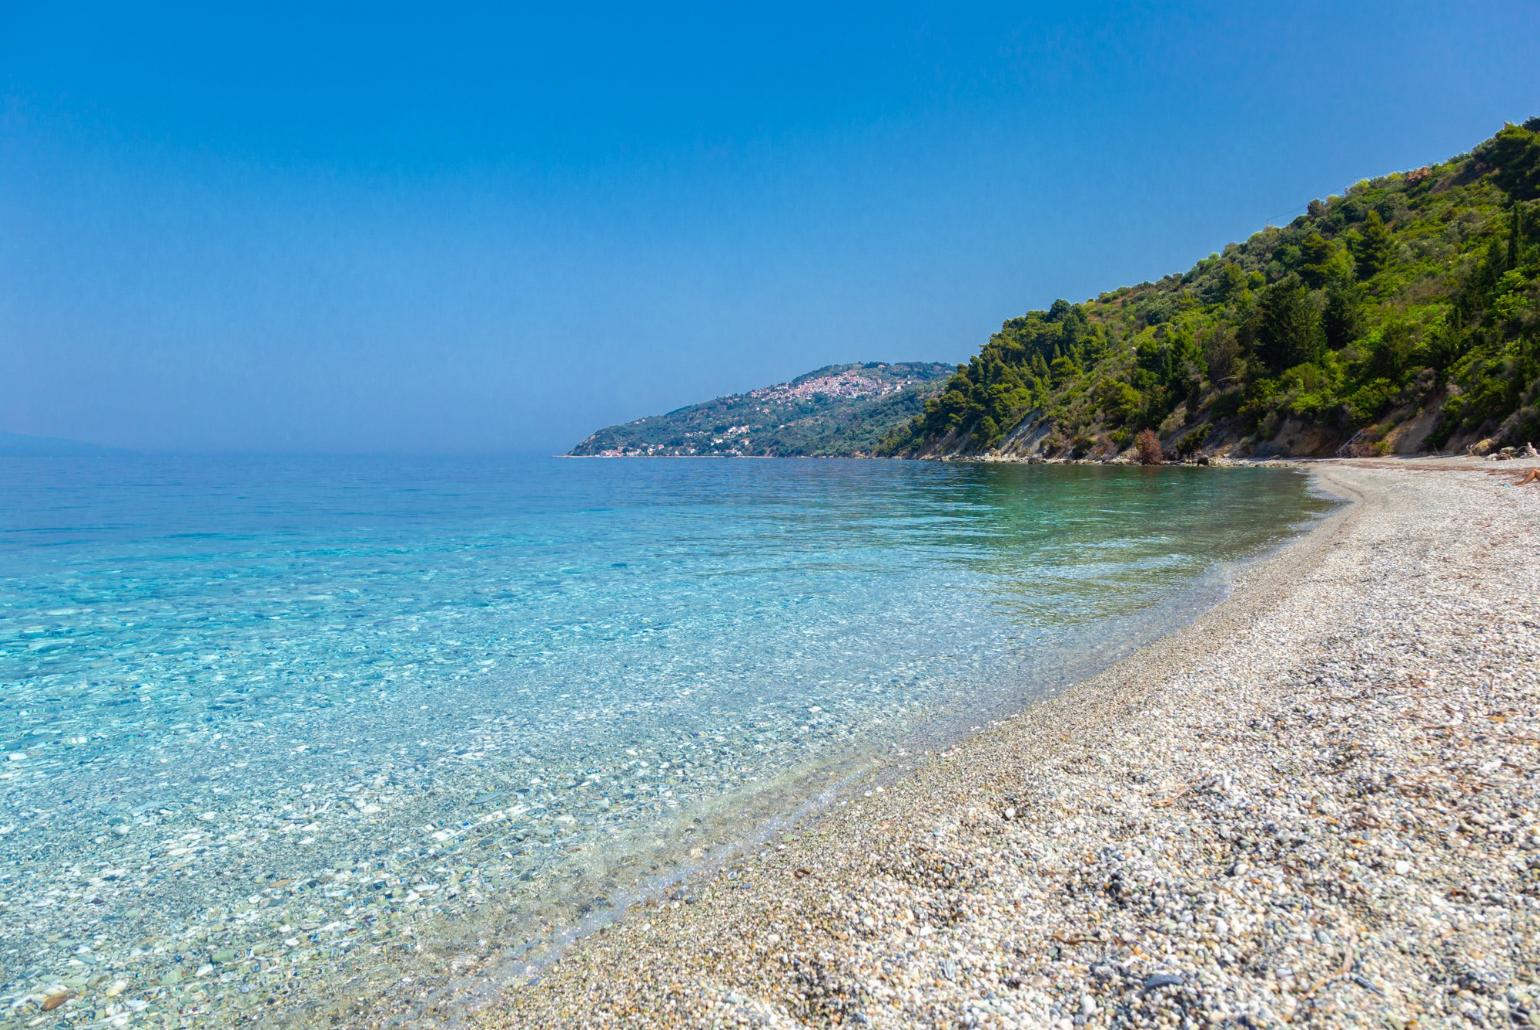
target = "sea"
x: 282, y: 737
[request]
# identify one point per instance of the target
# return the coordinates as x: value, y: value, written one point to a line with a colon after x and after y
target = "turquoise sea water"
x: 268, y: 724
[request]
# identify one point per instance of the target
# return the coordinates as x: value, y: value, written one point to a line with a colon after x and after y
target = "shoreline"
x: 822, y: 788
x: 893, y: 906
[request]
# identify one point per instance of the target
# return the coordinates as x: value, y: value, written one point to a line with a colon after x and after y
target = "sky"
x: 491, y: 229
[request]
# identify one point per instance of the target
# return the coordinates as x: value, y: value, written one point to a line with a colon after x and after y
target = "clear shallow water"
x: 275, y: 731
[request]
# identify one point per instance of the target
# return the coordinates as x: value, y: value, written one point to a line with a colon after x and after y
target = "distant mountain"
x: 1401, y: 316
x: 19, y: 444
x: 839, y: 409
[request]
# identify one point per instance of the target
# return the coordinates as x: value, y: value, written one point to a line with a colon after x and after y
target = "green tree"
x: 1515, y: 234
x: 1117, y: 400
x: 1372, y: 248
x: 1315, y: 254
x: 1289, y: 331
x: 1342, y: 321
x: 1220, y: 353
x: 1228, y: 283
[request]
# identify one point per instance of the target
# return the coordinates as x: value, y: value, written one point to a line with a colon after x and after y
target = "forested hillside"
x: 840, y: 409
x: 1402, y: 316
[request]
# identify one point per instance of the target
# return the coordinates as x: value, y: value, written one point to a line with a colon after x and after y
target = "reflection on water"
x: 269, y: 722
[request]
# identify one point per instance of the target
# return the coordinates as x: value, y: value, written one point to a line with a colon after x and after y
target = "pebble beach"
x: 1318, y: 804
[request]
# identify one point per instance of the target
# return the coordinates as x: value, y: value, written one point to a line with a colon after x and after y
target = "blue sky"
x: 428, y: 229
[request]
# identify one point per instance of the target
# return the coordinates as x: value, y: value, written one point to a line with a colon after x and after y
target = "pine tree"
x: 1342, y: 320
x: 1373, y: 246
x: 1290, y: 329
x: 1315, y: 253
x: 1515, y: 234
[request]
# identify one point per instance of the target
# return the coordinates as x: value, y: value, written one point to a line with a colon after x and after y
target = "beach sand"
x: 1319, y: 804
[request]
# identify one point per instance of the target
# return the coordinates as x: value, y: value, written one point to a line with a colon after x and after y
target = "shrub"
x: 988, y: 432
x: 1370, y: 399
x: 1227, y: 404
x: 1116, y: 399
x: 1193, y: 441
x: 1148, y: 446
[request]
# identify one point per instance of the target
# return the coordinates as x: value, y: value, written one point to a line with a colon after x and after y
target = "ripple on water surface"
x: 272, y: 724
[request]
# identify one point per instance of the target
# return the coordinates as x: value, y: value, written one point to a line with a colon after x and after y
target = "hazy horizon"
x: 496, y: 232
